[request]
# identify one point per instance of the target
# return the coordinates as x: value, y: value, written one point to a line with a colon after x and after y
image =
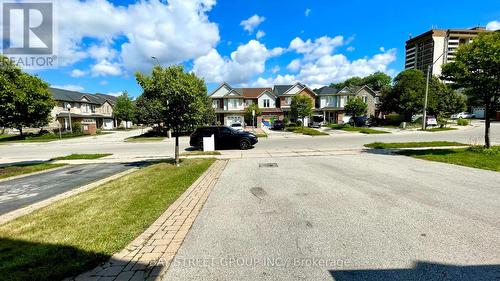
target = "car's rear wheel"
x: 245, y: 144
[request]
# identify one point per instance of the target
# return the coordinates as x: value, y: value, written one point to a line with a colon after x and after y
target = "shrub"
x: 77, y: 128
x: 393, y: 119
x: 291, y: 124
x: 462, y: 122
x: 299, y: 123
x: 495, y: 150
x: 286, y: 120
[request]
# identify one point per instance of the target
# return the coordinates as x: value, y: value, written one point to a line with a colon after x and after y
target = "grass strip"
x: 382, y: 145
x: 76, y: 234
x: 22, y: 169
x: 475, y: 157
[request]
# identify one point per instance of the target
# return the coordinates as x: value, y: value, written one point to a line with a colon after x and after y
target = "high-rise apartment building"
x: 437, y: 45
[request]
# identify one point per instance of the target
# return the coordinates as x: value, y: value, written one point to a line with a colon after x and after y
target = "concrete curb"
x: 31, y: 208
x: 34, y: 173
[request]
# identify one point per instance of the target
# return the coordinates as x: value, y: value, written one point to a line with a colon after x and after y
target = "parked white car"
x: 237, y: 126
x: 463, y: 115
x: 431, y: 121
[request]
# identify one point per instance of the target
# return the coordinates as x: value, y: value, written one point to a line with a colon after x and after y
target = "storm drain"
x: 268, y: 165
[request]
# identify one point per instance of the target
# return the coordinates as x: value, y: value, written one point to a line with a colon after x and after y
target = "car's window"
x: 226, y: 131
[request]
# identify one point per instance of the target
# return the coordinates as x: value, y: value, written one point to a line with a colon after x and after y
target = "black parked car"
x: 360, y: 122
x: 278, y: 125
x: 225, y: 137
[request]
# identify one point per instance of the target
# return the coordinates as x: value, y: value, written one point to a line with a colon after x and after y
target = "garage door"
x: 234, y: 120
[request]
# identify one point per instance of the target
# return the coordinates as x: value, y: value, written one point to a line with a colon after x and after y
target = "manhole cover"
x: 268, y: 165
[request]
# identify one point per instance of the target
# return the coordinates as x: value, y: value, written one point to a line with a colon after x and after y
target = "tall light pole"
x: 429, y: 68
x: 69, y: 117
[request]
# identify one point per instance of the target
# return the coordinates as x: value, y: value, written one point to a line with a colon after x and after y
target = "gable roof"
x: 253, y: 93
x: 279, y: 90
x: 323, y: 91
x: 74, y: 96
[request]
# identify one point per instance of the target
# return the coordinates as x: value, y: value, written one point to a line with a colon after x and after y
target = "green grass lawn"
x: 437, y: 129
x: 21, y: 169
x: 198, y: 152
x: 82, y: 156
x: 487, y: 159
x: 306, y: 131
x: 76, y: 234
x: 42, y: 138
x: 150, y: 136
x: 362, y: 130
x: 382, y: 145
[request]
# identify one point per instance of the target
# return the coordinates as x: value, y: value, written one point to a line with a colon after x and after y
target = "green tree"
x: 124, y: 108
x: 477, y: 69
x: 148, y: 111
x: 407, y: 95
x: 355, y: 107
x: 301, y: 107
x: 446, y: 102
x: 25, y: 100
x: 209, y: 117
x: 182, y: 95
x: 377, y: 81
x: 249, y: 111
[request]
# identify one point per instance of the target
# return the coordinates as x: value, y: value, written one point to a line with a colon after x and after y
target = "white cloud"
x: 247, y: 61
x: 350, y: 49
x: 278, y: 80
x: 103, y: 82
x: 78, y: 73
x: 260, y: 34
x: 252, y: 22
x: 294, y: 65
x: 319, y: 65
x: 276, y: 69
x: 173, y: 31
x: 115, y: 94
x: 493, y: 25
x: 69, y: 87
x: 307, y: 12
x: 313, y: 49
x: 105, y: 68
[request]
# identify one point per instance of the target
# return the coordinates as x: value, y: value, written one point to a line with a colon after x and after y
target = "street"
x: 276, y: 142
x: 18, y: 193
x: 355, y: 217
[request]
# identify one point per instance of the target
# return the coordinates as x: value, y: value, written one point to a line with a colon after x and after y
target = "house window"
x: 248, y: 102
x: 234, y: 103
x: 288, y: 100
x: 267, y: 103
x: 377, y: 99
x: 365, y: 99
x: 215, y: 104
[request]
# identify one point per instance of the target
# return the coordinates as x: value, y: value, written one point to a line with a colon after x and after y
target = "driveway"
x: 19, y: 193
x: 356, y: 217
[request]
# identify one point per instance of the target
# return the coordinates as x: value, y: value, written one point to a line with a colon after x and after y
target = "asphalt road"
x: 353, y: 217
x: 18, y: 193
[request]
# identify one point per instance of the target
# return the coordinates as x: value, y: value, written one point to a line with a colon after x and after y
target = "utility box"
x: 209, y: 143
x: 89, y: 128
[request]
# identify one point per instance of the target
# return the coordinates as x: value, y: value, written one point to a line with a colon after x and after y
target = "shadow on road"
x: 423, y: 271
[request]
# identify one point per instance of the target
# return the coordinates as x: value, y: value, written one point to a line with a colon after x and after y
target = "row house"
x: 230, y: 103
x: 331, y: 102
x: 87, y: 109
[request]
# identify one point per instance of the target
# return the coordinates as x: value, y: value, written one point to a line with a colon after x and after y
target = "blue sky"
x: 245, y: 42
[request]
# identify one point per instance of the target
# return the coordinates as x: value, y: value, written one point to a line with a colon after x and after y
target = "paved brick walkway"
x: 149, y: 255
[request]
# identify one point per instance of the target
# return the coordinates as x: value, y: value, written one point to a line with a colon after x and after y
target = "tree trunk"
x: 177, y: 161
x: 20, y: 131
x: 487, y: 126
